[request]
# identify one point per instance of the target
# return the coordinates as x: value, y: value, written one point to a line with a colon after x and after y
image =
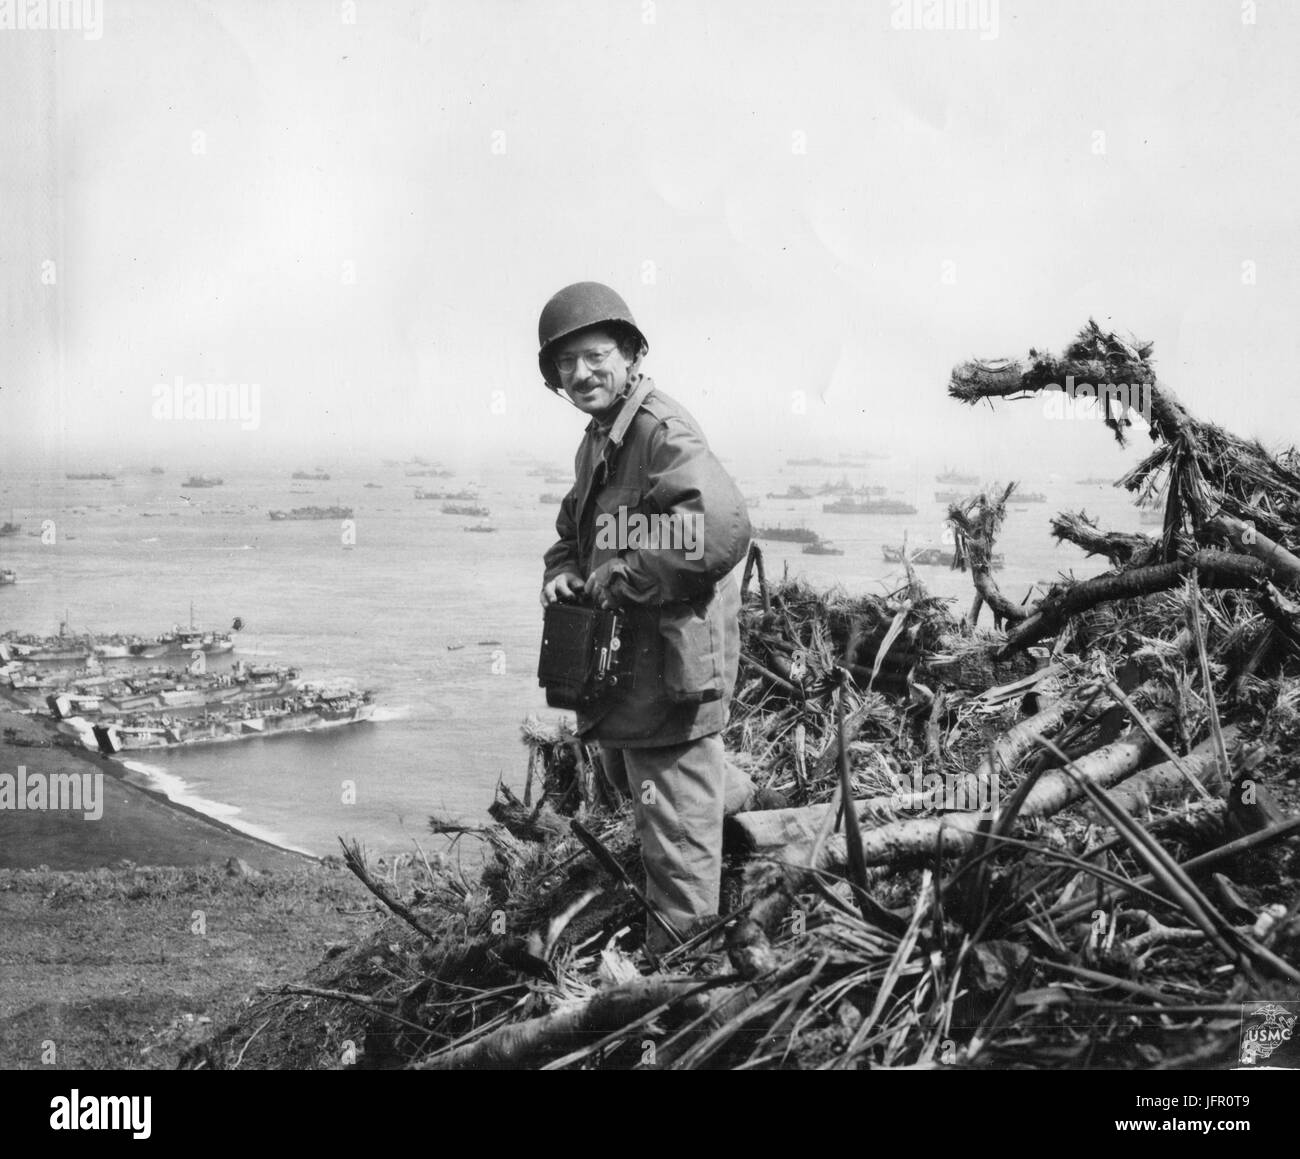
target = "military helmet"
x: 578, y: 307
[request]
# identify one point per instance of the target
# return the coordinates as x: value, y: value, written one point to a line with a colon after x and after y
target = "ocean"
x: 442, y: 625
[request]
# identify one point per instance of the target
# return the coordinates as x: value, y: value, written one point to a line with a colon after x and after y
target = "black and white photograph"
x: 650, y: 535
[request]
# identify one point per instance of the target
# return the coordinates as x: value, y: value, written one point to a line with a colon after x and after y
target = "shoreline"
x: 139, y: 824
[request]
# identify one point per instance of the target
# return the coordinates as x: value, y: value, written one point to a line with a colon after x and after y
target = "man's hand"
x: 601, y: 583
x: 565, y: 588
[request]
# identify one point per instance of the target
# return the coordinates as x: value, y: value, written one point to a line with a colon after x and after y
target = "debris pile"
x: 1065, y: 838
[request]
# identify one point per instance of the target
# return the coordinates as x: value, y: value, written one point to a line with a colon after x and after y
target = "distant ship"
x: 420, y: 493
x: 428, y: 472
x: 203, y: 481
x: 481, y: 528
x: 550, y: 497
x: 1095, y: 481
x: 156, y: 471
x: 7, y: 576
x: 313, y: 513
x: 97, y: 475
x: 1028, y: 497
x: 183, y: 641
x: 869, y: 507
x: 787, y: 534
x: 809, y: 463
x: 792, y: 492
x: 375, y: 486
x: 465, y: 509
x: 956, y: 477
x: 929, y: 556
x: 317, y: 475
x: 10, y: 528
x: 305, y: 711
x: 822, y: 547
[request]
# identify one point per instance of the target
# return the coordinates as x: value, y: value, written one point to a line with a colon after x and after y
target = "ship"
x: 952, y: 496
x: 156, y: 471
x: 64, y: 648
x: 421, y: 493
x: 307, y: 710
x: 89, y: 475
x: 481, y: 528
x: 7, y: 576
x: 810, y: 463
x: 956, y: 477
x: 1096, y: 481
x: 375, y: 486
x: 203, y: 481
x: 428, y: 472
x: 313, y: 513
x: 550, y: 497
x: 787, y: 534
x: 465, y: 509
x: 184, y: 641
x: 1028, y: 497
x: 869, y: 507
x: 792, y: 492
x: 822, y: 547
x: 929, y: 556
x: 317, y: 475
x: 10, y: 528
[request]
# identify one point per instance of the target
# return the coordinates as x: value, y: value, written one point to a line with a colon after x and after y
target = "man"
x: 653, y: 527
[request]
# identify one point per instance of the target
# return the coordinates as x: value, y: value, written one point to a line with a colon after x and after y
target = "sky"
x: 814, y: 209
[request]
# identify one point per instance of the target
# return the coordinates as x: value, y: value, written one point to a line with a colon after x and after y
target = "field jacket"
x: 676, y: 590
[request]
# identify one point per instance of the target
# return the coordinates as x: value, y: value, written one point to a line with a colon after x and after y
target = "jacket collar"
x: 627, y: 412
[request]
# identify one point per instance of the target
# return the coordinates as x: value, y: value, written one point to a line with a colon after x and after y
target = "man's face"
x: 593, y: 371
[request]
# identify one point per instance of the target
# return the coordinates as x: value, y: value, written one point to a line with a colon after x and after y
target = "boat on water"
x: 428, y: 473
x: 787, y: 534
x: 10, y: 528
x: 184, y: 641
x: 550, y: 497
x: 557, y: 481
x: 203, y: 481
x: 421, y: 493
x: 822, y: 547
x: 465, y: 509
x: 317, y: 475
x: 929, y: 556
x: 7, y: 576
x: 307, y: 710
x: 792, y: 492
x: 956, y: 477
x: 1028, y: 497
x: 1096, y: 481
x: 156, y: 471
x: 481, y: 528
x: 89, y: 475
x: 312, y: 513
x: 868, y: 507
x: 810, y: 463
x: 375, y: 486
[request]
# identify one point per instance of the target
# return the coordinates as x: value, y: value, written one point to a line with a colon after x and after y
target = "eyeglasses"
x: 593, y: 359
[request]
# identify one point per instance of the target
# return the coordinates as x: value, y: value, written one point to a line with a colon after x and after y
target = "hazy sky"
x: 362, y: 207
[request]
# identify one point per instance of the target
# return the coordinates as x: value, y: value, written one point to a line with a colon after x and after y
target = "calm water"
x: 441, y: 624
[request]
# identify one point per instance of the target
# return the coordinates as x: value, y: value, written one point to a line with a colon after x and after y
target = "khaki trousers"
x: 679, y: 794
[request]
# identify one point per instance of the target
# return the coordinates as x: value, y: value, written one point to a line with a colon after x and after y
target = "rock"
x: 238, y: 867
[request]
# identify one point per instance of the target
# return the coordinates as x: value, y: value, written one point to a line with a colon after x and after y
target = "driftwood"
x: 955, y: 833
x: 526, y: 1043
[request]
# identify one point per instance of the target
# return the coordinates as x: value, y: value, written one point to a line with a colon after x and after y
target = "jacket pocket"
x: 693, y: 655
